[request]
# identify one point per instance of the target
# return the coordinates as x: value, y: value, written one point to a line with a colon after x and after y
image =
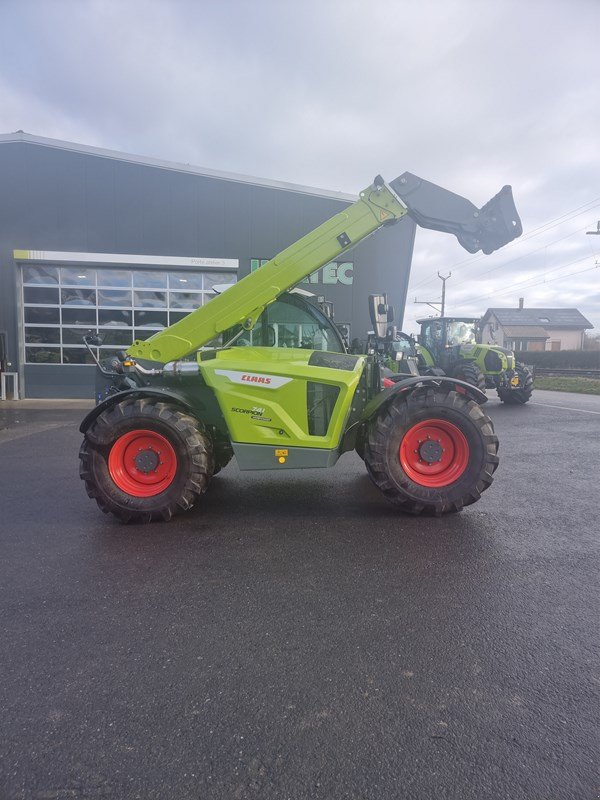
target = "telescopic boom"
x: 486, y: 229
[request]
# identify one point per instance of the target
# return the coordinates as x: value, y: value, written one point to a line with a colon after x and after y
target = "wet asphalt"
x: 295, y: 637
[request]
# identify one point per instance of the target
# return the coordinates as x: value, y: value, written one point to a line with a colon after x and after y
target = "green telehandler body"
x: 227, y: 380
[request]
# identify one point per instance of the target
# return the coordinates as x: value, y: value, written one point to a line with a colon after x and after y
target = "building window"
x: 60, y: 304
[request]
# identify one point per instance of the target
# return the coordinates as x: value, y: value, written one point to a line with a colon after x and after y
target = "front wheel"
x: 522, y: 394
x: 432, y: 452
x: 143, y: 460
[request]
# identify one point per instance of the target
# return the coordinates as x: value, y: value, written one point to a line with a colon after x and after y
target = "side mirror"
x: 326, y: 307
x: 92, y: 339
x: 344, y: 331
x: 381, y: 314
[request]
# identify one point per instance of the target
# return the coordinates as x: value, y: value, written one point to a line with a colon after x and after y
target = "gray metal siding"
x: 13, y: 208
x: 60, y: 381
x: 61, y: 199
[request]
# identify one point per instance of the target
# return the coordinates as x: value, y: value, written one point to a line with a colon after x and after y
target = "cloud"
x: 469, y: 95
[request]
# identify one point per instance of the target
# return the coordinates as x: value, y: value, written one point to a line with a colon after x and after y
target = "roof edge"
x: 173, y: 166
x: 585, y: 324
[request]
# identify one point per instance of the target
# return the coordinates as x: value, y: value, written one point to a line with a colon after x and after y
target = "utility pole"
x: 443, y: 280
x: 434, y: 303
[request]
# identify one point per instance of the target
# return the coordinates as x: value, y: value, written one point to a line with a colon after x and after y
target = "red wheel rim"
x: 142, y: 463
x: 434, y: 453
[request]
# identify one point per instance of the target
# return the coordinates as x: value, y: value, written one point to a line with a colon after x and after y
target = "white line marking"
x: 566, y: 408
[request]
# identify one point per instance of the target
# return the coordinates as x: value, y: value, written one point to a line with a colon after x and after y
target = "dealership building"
x: 127, y: 245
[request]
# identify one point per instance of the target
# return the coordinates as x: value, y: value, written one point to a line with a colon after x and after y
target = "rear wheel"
x: 144, y: 460
x: 523, y: 393
x: 432, y: 452
x: 469, y: 372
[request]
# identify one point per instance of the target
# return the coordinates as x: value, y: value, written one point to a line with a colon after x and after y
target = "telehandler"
x: 164, y: 426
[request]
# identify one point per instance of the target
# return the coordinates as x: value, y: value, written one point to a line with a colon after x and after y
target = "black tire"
x: 188, y: 455
x: 521, y: 395
x: 475, y: 453
x: 469, y: 372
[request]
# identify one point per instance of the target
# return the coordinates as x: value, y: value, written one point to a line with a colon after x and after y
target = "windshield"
x: 291, y: 322
x: 404, y: 344
x: 461, y: 332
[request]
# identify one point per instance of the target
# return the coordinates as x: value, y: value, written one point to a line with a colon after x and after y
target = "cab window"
x: 290, y: 322
x: 461, y: 332
x: 431, y: 334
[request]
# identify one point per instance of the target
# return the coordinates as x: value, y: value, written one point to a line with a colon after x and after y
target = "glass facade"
x: 60, y: 304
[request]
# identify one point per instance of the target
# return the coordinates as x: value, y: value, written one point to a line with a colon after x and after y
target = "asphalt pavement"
x: 294, y: 636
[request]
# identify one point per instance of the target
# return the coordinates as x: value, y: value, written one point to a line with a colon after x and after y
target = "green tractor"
x: 451, y: 343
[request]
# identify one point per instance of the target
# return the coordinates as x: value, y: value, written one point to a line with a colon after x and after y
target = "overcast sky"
x: 470, y: 94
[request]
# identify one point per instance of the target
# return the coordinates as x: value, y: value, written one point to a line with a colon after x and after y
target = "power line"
x: 532, y: 278
x: 434, y: 303
x: 539, y: 283
x: 544, y: 228
x: 525, y: 255
x: 518, y: 258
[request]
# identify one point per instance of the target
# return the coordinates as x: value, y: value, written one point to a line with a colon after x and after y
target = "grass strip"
x: 579, y: 385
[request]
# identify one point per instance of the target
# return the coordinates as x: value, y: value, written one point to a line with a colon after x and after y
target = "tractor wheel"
x: 469, y: 372
x: 144, y: 460
x: 432, y: 452
x: 523, y: 394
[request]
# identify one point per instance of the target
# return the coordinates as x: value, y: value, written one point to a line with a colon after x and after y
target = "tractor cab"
x: 439, y: 334
x: 295, y: 319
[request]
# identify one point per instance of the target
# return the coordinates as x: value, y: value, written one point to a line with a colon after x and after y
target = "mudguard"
x: 118, y: 397
x: 409, y: 385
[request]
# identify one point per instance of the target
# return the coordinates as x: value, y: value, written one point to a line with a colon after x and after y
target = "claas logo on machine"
x: 256, y: 379
x: 245, y: 378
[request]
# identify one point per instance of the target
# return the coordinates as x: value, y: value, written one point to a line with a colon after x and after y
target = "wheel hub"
x: 434, y: 453
x: 430, y: 451
x: 147, y: 461
x: 142, y: 463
